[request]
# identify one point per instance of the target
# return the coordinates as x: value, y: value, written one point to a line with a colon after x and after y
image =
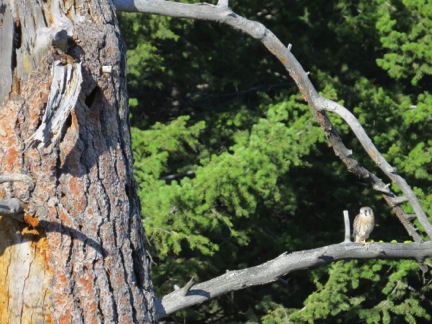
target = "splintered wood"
x: 65, y: 89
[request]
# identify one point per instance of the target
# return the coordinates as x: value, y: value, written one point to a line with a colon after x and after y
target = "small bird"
x: 363, y: 225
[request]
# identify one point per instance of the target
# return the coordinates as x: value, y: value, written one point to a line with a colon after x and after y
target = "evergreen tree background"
x: 233, y: 169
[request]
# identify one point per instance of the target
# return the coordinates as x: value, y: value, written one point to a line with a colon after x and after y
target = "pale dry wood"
x: 11, y: 177
x: 7, y: 27
x: 64, y: 91
x: 347, y: 238
x: 284, y: 264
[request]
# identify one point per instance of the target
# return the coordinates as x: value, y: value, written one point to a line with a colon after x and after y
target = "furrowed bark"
x: 82, y: 258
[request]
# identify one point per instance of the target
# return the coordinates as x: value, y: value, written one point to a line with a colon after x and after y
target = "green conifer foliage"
x: 225, y: 186
x: 232, y: 169
x: 350, y: 288
x: 404, y: 27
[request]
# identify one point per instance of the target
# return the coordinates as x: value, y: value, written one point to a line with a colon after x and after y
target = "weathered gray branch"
x: 12, y: 207
x: 16, y: 177
x: 347, y: 238
x: 329, y: 105
x: 223, y: 14
x: 284, y: 264
x: 7, y: 42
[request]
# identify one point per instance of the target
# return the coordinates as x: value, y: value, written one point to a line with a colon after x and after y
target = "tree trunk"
x: 76, y: 253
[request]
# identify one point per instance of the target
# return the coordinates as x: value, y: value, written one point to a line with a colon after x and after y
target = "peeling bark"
x: 83, y: 260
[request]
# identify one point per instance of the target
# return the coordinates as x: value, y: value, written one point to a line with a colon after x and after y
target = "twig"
x: 223, y: 3
x: 14, y: 207
x: 347, y: 227
x: 183, y: 291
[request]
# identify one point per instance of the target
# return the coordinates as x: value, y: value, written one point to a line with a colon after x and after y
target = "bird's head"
x: 366, y: 211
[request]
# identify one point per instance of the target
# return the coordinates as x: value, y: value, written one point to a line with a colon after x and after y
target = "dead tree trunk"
x: 71, y: 248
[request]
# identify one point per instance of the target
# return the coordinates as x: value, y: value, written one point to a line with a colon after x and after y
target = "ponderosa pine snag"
x: 83, y: 260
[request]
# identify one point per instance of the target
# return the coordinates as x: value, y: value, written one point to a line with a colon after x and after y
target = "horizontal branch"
x: 284, y: 264
x: 16, y: 177
x: 201, y: 11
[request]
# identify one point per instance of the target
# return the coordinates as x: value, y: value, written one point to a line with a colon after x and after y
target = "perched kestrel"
x: 363, y: 225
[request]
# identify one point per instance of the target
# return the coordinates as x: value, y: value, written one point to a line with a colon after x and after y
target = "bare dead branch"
x: 347, y: 227
x: 399, y: 200
x: 16, y: 177
x: 329, y: 105
x: 402, y: 216
x: 284, y: 264
x: 223, y: 14
x: 185, y: 289
x: 222, y: 3
x: 12, y: 207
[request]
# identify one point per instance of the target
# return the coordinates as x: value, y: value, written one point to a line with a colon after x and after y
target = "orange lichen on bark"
x: 31, y: 220
x: 373, y: 155
x: 26, y: 231
x: 11, y: 159
x: 8, y: 117
x: 76, y: 190
x: 32, y: 223
x: 75, y: 187
x: 74, y: 123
